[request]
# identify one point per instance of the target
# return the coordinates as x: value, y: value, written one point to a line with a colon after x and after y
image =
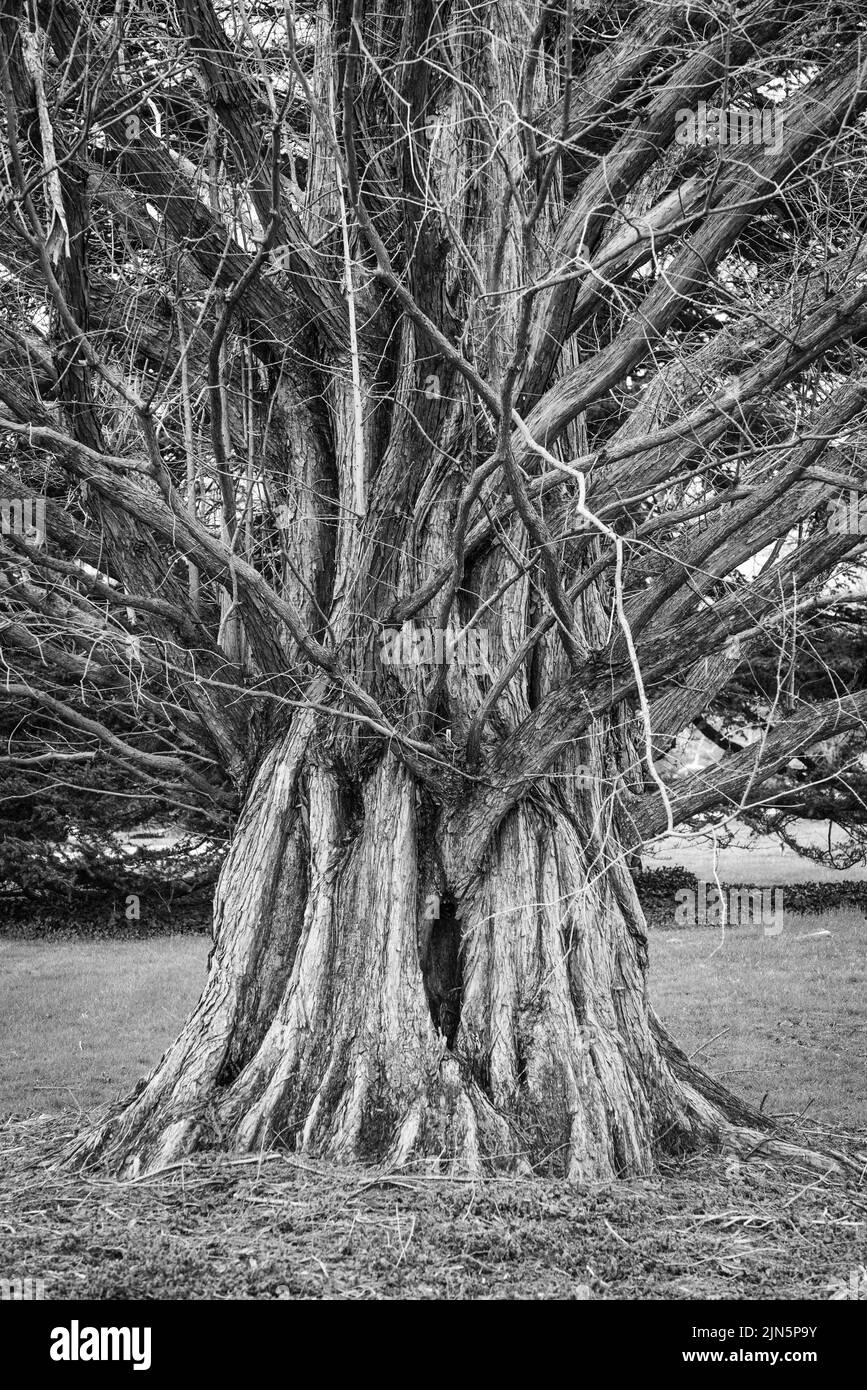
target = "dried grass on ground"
x: 277, y: 1227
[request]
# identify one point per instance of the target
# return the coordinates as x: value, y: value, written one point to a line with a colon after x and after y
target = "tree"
x: 428, y: 429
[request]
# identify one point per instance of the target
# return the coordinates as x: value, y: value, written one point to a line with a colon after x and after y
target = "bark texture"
x: 356, y: 1010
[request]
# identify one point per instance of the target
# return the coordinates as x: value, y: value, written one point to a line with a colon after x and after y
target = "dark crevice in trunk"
x: 533, y: 666
x: 441, y: 969
x: 327, y: 492
x: 351, y: 793
x: 520, y: 1061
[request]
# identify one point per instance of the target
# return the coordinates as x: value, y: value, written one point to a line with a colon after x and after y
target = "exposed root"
x: 748, y: 1144
x: 738, y: 1128
x: 732, y: 1107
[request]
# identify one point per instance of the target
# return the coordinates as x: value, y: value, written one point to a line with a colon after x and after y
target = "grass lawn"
x: 82, y: 1021
x: 781, y: 1017
x: 776, y: 1016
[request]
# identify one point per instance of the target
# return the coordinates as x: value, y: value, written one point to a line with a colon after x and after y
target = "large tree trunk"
x: 355, y: 1010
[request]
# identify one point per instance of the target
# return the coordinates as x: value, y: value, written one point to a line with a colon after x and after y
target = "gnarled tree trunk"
x: 357, y: 1008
